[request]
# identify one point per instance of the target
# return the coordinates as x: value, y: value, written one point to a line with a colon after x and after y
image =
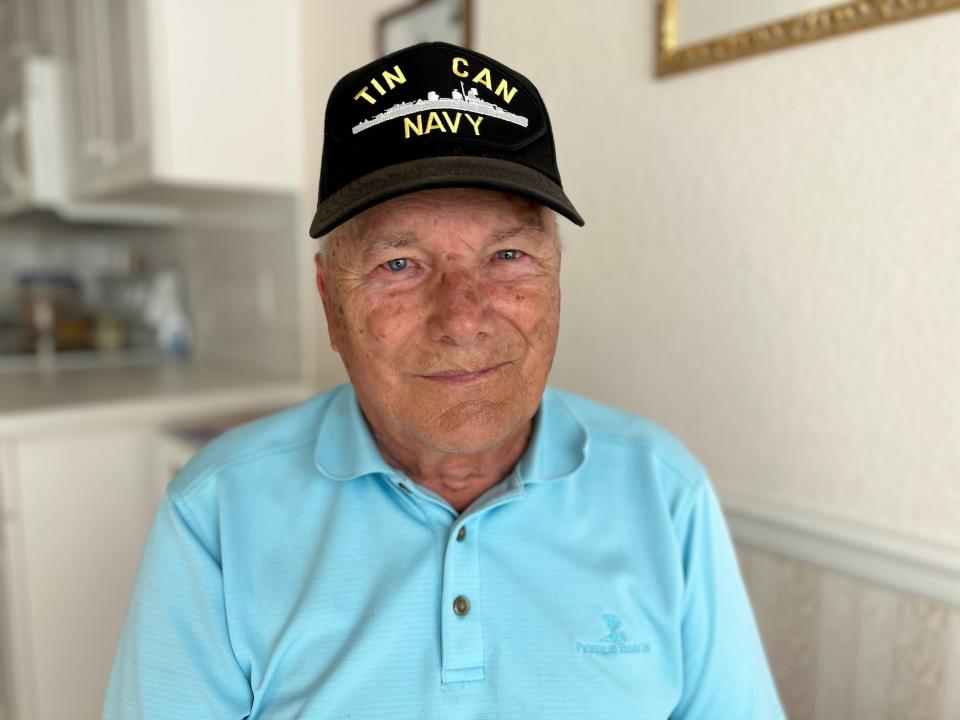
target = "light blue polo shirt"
x: 292, y: 573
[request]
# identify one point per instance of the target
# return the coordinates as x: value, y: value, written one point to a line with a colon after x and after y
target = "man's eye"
x: 396, y: 265
x: 508, y: 254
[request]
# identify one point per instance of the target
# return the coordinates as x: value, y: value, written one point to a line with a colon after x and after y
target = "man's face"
x: 445, y: 306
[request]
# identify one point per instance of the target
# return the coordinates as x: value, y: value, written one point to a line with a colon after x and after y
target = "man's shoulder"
x: 608, y: 426
x: 274, y: 436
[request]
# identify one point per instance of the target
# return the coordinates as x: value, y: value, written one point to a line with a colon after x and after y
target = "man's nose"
x: 460, y: 312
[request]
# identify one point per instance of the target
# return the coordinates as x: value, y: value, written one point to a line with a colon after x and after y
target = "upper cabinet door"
x: 172, y: 101
x: 108, y: 62
x: 83, y: 63
x: 124, y: 75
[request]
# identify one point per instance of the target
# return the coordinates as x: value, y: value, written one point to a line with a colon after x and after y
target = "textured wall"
x: 771, y: 255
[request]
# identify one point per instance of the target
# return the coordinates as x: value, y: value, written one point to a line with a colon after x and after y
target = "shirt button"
x: 462, y: 533
x: 461, y: 606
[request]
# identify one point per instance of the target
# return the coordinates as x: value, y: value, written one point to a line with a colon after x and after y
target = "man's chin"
x: 473, y: 427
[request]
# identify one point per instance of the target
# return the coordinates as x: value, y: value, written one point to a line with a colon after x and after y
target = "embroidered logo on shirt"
x: 615, y: 641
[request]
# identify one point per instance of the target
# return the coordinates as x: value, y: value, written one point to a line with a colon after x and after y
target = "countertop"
x: 43, y: 400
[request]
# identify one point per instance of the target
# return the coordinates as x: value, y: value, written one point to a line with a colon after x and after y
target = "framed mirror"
x: 697, y: 33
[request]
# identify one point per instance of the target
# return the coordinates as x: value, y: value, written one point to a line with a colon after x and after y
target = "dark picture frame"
x: 425, y: 20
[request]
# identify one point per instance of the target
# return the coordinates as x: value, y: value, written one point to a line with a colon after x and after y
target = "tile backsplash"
x: 242, y: 273
x: 86, y: 252
x: 80, y: 287
x: 235, y: 271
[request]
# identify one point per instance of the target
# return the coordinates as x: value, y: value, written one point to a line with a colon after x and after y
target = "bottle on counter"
x: 52, y: 313
x: 165, y: 312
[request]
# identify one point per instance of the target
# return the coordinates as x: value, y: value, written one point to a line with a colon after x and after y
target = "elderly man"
x: 444, y: 536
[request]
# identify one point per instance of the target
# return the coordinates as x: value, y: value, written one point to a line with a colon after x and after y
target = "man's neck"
x: 459, y: 478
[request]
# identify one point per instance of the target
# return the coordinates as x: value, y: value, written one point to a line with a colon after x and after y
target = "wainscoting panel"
x: 842, y: 642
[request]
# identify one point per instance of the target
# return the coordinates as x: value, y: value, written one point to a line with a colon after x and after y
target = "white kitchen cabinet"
x: 11, y: 677
x: 109, y: 121
x: 83, y: 467
x: 173, y: 98
x: 82, y: 504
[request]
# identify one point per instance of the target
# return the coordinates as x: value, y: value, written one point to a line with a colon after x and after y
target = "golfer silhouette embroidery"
x: 614, y: 642
x: 613, y: 627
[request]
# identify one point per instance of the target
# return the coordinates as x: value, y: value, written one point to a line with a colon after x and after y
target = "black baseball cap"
x: 434, y: 115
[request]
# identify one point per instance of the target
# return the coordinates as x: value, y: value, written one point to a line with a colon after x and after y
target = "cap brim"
x: 439, y: 172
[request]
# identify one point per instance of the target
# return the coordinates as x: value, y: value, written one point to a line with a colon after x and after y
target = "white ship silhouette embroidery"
x: 468, y: 101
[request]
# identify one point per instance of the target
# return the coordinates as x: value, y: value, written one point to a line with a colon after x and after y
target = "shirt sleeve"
x: 174, y: 658
x: 725, y: 670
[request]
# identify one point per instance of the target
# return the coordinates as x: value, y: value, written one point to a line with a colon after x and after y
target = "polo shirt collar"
x: 345, y: 448
x: 558, y: 445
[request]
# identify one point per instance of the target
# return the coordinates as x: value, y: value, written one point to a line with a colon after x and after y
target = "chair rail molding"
x: 911, y: 565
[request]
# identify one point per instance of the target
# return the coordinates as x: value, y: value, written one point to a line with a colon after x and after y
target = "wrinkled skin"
x: 449, y: 281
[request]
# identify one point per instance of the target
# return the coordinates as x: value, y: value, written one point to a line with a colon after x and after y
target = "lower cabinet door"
x: 86, y: 501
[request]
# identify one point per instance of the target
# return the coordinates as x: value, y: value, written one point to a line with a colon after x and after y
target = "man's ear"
x: 323, y: 287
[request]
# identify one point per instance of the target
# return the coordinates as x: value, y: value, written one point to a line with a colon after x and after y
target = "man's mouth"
x: 459, y: 376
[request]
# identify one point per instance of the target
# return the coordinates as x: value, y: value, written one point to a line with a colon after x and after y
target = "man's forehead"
x: 404, y: 218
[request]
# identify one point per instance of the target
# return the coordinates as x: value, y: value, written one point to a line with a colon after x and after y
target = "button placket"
x: 460, y: 618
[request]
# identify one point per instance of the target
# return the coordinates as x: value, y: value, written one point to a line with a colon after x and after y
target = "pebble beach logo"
x: 614, y: 641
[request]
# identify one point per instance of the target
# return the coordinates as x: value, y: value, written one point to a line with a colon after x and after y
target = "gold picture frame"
x: 808, y: 27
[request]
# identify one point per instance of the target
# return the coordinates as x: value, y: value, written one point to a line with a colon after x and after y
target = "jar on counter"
x: 52, y: 314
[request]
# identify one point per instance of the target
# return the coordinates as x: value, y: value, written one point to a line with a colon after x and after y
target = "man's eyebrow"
x: 376, y: 244
x: 516, y: 231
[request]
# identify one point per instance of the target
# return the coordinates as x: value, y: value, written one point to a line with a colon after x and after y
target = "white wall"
x: 772, y: 249
x: 770, y: 262
x: 336, y: 38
